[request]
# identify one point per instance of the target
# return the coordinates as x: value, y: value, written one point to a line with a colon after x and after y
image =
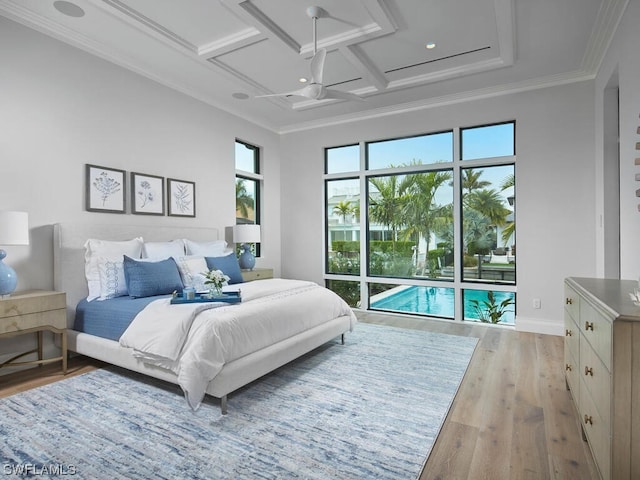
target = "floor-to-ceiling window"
x: 248, y: 183
x: 425, y: 224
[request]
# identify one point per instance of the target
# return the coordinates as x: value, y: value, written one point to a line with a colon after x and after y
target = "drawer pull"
x: 568, y: 301
x: 568, y: 367
x: 588, y: 420
x: 588, y: 326
x: 568, y: 333
x: 588, y: 371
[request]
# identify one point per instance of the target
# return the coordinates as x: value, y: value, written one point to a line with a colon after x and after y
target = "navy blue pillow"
x: 228, y: 265
x: 146, y: 279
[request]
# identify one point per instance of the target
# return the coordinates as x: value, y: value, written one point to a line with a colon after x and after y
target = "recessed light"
x: 430, y: 46
x: 69, y: 9
x: 240, y: 95
x: 303, y: 80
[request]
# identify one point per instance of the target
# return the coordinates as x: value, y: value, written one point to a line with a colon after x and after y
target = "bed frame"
x: 68, y: 255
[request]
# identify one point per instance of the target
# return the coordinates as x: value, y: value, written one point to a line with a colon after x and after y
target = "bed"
x: 236, y: 371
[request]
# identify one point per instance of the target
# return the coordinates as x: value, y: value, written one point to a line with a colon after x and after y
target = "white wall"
x: 554, y: 190
x: 622, y: 61
x: 61, y: 108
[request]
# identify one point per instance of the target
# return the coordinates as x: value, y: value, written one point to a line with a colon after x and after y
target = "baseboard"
x: 540, y: 325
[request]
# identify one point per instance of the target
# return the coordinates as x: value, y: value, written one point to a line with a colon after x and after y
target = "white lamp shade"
x: 249, y: 233
x: 14, y: 228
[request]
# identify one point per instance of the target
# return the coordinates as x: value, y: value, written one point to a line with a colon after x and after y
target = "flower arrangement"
x: 215, y: 279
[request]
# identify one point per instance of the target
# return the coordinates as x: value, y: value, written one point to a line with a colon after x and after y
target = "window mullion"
x: 457, y: 226
x: 364, y: 231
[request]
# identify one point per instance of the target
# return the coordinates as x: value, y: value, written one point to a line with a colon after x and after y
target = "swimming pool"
x: 436, y: 301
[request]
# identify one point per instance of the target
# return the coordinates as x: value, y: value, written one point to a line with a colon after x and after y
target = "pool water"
x: 438, y: 302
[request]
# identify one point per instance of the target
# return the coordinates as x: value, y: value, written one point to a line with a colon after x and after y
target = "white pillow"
x: 110, y: 250
x: 112, y: 281
x: 215, y: 248
x: 191, y: 268
x: 163, y: 250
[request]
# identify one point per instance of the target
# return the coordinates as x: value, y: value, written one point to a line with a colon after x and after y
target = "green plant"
x: 348, y: 291
x: 343, y: 264
x: 469, y: 261
x: 489, y: 310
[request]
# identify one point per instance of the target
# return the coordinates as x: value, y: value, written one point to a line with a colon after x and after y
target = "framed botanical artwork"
x: 147, y: 194
x: 105, y: 189
x: 181, y: 196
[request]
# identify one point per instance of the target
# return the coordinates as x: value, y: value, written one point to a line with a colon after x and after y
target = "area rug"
x: 368, y: 409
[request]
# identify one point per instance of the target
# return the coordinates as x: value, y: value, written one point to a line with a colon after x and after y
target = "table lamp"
x: 14, y: 230
x: 245, y: 234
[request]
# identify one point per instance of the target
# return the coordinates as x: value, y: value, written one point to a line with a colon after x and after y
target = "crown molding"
x: 607, y: 22
x: 445, y: 100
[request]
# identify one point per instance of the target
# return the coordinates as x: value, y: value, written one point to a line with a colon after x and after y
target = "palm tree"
x: 477, y: 234
x: 489, y: 203
x: 356, y: 212
x: 483, y: 209
x: 384, y: 208
x: 244, y: 201
x: 489, y: 206
x: 419, y: 211
x: 471, y: 180
x: 510, y: 229
x: 509, y: 181
x: 343, y: 209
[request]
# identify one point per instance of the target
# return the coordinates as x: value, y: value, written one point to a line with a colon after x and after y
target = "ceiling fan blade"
x: 299, y: 93
x: 317, y: 66
x: 340, y: 95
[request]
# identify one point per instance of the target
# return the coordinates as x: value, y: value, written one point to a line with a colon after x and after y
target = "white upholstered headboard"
x: 68, y: 251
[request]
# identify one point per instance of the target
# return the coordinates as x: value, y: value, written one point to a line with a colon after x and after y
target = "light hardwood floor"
x: 511, y: 419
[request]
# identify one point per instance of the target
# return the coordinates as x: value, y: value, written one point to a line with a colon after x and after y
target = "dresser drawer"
x: 597, y: 331
x: 572, y: 375
x: 597, y: 431
x: 597, y: 380
x: 571, y: 337
x: 571, y: 302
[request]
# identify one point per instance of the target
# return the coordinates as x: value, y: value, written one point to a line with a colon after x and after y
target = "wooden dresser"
x: 602, y: 332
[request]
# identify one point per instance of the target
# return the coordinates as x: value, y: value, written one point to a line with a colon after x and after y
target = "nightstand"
x: 33, y: 312
x: 257, y: 274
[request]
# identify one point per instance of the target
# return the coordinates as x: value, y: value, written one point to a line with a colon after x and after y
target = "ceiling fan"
x: 315, y: 90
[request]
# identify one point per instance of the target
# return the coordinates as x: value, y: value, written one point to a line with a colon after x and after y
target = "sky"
x: 478, y: 142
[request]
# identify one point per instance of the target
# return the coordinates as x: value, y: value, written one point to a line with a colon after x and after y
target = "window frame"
x: 257, y: 179
x: 457, y: 165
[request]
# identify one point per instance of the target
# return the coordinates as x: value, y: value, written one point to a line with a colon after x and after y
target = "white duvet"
x: 196, y: 340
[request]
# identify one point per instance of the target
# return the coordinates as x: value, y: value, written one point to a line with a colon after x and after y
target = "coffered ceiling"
x: 227, y: 52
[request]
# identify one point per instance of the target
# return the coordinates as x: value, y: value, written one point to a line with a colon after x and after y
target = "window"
x: 438, y: 224
x: 248, y: 183
x: 488, y: 141
x: 432, y: 148
x: 342, y: 159
x: 343, y: 226
x: 488, y: 224
x: 409, y: 223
